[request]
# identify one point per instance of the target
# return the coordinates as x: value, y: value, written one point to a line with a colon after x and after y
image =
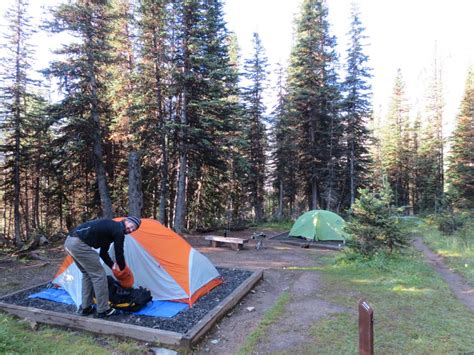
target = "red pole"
x: 366, y: 328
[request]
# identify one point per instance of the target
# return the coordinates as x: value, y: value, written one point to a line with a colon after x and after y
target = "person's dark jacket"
x: 100, y: 233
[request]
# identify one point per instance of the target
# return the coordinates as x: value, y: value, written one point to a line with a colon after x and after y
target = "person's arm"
x: 122, y: 272
x: 104, y: 255
x: 118, y: 246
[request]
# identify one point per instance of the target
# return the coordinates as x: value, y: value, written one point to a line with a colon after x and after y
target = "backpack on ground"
x: 127, y: 299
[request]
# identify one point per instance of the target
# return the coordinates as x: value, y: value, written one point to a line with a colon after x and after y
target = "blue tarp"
x: 165, y: 309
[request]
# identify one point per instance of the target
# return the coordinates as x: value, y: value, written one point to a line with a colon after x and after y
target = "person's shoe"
x: 107, y: 313
x: 85, y: 311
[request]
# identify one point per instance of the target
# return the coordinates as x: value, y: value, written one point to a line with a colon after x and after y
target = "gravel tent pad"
x: 190, y: 323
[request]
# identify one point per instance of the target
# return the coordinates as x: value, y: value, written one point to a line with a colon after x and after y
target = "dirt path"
x: 457, y: 284
x: 290, y: 331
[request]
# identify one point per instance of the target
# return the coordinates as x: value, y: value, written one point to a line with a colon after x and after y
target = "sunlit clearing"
x: 282, y: 248
x: 363, y: 282
x: 450, y: 253
x: 399, y: 288
x: 303, y: 268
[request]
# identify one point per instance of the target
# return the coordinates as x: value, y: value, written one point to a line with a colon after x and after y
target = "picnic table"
x: 218, y: 241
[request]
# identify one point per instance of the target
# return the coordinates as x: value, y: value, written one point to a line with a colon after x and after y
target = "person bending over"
x: 80, y: 244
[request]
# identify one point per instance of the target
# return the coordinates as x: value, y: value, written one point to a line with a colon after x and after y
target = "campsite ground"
x: 287, y: 296
x: 275, y: 258
x: 282, y: 282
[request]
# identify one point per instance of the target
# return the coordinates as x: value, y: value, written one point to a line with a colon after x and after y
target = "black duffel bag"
x: 127, y: 299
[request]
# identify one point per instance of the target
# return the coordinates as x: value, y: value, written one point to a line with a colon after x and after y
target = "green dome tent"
x: 319, y: 225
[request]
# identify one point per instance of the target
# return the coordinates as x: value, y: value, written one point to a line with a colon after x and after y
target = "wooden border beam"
x: 93, y: 325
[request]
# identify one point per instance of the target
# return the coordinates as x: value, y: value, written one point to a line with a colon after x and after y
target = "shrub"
x: 373, y: 225
x: 448, y: 223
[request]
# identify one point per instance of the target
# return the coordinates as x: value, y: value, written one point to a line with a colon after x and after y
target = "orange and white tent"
x: 160, y: 260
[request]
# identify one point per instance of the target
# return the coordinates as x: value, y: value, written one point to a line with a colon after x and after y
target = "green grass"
x: 16, y: 337
x: 457, y: 249
x: 274, y: 225
x: 414, y: 310
x: 270, y: 317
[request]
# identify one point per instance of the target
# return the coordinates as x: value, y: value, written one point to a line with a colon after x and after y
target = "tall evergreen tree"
x: 255, y: 72
x: 190, y: 17
x: 237, y: 204
x: 314, y: 93
x: 157, y: 104
x: 284, y: 150
x: 83, y: 74
x: 16, y: 99
x: 431, y: 150
x: 461, y: 161
x: 37, y: 135
x: 357, y: 108
x: 206, y: 87
x: 416, y: 176
x: 216, y: 126
x: 123, y: 97
x: 394, y: 148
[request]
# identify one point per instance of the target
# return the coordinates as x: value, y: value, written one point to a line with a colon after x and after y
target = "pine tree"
x: 83, y: 75
x: 237, y: 202
x: 157, y: 102
x: 206, y: 86
x: 372, y: 225
x: 357, y: 108
x: 187, y: 81
x: 416, y: 176
x: 123, y: 97
x: 255, y: 71
x: 16, y: 101
x: 216, y: 124
x: 314, y: 93
x: 432, y: 147
x: 395, y: 138
x: 283, y: 150
x: 37, y: 136
x: 461, y: 160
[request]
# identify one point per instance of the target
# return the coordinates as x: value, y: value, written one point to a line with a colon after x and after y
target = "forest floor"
x: 284, y: 274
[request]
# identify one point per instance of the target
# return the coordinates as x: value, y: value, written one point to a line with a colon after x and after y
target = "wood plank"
x: 94, y: 325
x: 196, y: 332
x: 226, y: 239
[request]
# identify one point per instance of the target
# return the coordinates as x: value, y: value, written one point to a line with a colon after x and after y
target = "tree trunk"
x: 36, y: 212
x: 164, y: 184
x: 180, y: 210
x: 26, y: 209
x: 314, y: 194
x: 16, y: 164
x: 351, y: 173
x: 135, y: 195
x: 331, y: 166
x: 280, y: 201
x: 105, y: 201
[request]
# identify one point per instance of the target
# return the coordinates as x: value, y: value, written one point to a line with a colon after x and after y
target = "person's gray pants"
x: 94, y: 278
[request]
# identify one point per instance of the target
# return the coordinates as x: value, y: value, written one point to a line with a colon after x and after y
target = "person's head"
x: 132, y: 223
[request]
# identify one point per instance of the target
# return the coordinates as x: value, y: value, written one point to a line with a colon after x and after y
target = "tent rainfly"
x: 319, y: 225
x: 160, y: 260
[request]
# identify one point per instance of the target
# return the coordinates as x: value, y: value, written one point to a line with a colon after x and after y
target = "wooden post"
x: 366, y: 328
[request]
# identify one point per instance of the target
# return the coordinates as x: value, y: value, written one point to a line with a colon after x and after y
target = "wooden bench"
x: 235, y: 243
